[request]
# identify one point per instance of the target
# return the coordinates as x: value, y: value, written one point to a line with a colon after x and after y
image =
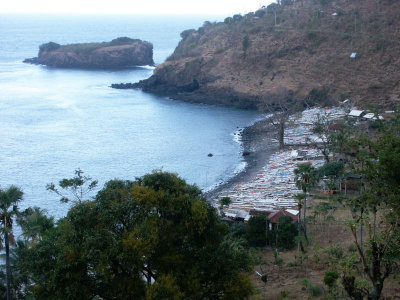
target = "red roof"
x: 274, y: 217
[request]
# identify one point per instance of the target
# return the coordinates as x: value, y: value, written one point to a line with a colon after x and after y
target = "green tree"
x: 257, y: 231
x: 246, y: 45
x: 224, y: 202
x: 152, y: 238
x: 286, y: 232
x: 8, y: 209
x: 306, y: 177
x: 78, y: 187
x: 378, y: 209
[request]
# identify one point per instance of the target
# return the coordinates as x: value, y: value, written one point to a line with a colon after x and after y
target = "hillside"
x: 120, y: 52
x: 293, y: 51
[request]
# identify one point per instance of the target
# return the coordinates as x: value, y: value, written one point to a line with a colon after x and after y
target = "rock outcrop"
x: 296, y: 51
x: 119, y: 53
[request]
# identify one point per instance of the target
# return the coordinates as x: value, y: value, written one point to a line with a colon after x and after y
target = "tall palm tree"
x: 306, y: 177
x: 8, y: 209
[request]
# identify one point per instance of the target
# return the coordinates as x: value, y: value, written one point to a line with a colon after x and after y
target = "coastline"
x: 258, y: 141
x: 268, y: 182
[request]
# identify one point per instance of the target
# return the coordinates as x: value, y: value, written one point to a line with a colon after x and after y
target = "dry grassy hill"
x: 286, y: 51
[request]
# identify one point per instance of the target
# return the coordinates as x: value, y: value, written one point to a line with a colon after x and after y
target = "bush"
x: 330, y: 278
x: 314, y: 290
x: 122, y: 41
x: 256, y: 231
x: 51, y: 46
x: 186, y: 33
x: 237, y: 17
x: 260, y: 13
x: 246, y: 43
x: 238, y: 230
x: 318, y: 96
x: 285, y: 233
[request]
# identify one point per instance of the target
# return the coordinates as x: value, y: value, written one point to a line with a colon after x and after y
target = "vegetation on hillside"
x: 85, y: 48
x: 303, y: 45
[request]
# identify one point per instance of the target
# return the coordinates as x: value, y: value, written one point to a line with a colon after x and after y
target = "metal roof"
x: 355, y: 113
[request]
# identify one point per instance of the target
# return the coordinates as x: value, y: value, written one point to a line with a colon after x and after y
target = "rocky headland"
x: 312, y: 51
x: 119, y: 53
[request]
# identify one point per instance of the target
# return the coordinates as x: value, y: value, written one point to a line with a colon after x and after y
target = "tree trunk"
x: 376, y: 292
x: 304, y: 216
x: 281, y: 134
x: 349, y: 286
x: 8, y: 270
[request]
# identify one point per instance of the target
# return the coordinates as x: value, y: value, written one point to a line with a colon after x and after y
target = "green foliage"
x: 34, y: 223
x: 260, y: 13
x: 237, y: 17
x: 78, y: 187
x: 238, y: 230
x: 256, y: 231
x: 377, y: 209
x: 331, y: 169
x: 245, y: 44
x: 330, y: 278
x: 306, y: 176
x: 153, y: 238
x: 9, y: 199
x: 122, y: 41
x: 340, y: 12
x: 187, y: 33
x: 318, y: 96
x: 314, y: 289
x: 277, y: 259
x: 228, y: 20
x: 48, y: 47
x: 225, y: 201
x: 285, y: 233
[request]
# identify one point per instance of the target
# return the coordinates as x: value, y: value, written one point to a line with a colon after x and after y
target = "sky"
x: 203, y: 7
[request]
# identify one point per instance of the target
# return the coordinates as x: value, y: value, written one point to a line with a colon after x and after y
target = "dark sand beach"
x: 258, y: 141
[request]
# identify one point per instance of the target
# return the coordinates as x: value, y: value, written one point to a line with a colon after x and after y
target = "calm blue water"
x: 53, y: 121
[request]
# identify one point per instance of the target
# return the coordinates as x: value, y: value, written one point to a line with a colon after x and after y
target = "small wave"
x: 147, y: 67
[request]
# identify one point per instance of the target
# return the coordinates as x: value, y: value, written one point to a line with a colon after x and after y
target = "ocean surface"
x: 53, y: 121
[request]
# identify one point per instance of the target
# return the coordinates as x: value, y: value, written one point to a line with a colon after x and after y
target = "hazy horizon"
x: 155, y: 7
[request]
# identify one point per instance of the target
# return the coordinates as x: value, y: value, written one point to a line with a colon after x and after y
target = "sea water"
x: 53, y: 121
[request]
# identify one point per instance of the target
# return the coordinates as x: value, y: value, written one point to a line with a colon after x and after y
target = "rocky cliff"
x: 120, y: 52
x: 309, y: 50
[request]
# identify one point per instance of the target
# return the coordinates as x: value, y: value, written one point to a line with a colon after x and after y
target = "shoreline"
x: 268, y: 181
x: 257, y: 140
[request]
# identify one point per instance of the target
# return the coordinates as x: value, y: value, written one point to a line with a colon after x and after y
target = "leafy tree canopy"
x: 152, y: 238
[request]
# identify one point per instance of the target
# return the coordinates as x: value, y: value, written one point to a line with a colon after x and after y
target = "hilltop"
x: 296, y: 50
x: 120, y: 52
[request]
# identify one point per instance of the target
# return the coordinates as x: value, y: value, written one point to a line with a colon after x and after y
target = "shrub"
x: 330, y: 278
x: 186, y: 33
x: 246, y: 43
x: 256, y: 231
x: 285, y: 233
x: 121, y: 41
x: 237, y: 17
x: 238, y: 230
x: 51, y: 46
x: 260, y: 13
x: 314, y: 290
x: 318, y: 96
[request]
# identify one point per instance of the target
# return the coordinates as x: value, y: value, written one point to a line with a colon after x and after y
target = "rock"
x: 246, y: 153
x: 119, y: 53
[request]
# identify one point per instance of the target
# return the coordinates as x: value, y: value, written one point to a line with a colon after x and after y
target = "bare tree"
x: 280, y: 108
